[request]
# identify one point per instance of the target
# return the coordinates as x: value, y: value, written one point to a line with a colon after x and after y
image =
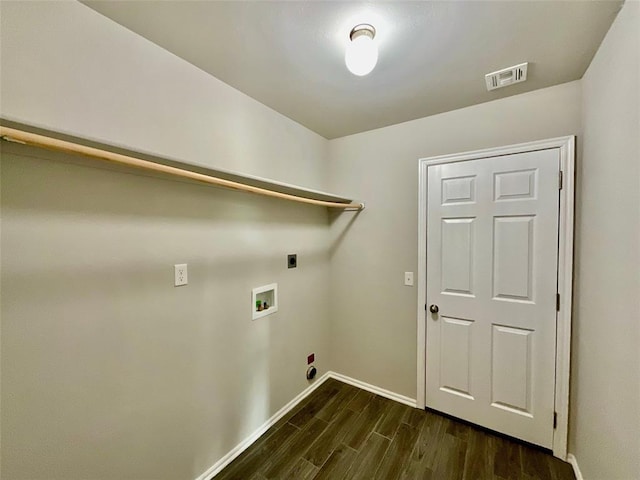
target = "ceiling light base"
x: 362, y: 29
x: 361, y: 54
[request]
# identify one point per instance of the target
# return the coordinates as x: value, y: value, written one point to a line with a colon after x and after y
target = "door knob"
x: 434, y: 309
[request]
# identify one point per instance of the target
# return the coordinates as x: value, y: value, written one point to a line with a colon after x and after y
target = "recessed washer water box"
x: 264, y: 300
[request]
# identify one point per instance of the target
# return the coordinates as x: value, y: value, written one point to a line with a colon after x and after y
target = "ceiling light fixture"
x: 361, y: 55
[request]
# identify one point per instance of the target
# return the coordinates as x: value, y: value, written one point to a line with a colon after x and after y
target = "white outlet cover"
x: 408, y: 279
x: 180, y: 271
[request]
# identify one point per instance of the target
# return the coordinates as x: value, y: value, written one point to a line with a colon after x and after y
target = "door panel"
x: 457, y: 255
x: 492, y: 233
x: 514, y: 185
x: 455, y: 369
x: 511, y: 369
x: 458, y: 190
x: 513, y: 258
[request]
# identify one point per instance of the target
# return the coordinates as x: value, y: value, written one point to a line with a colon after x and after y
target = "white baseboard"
x: 246, y: 443
x: 571, y: 458
x: 373, y: 389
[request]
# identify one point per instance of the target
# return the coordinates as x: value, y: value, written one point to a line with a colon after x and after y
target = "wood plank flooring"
x: 341, y: 432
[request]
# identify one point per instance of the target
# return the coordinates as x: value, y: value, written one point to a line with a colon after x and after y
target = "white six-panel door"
x: 492, y: 263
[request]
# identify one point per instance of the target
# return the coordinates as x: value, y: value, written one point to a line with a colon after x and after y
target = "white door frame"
x: 566, y: 146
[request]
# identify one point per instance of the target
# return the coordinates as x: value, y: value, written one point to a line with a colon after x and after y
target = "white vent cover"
x: 506, y: 76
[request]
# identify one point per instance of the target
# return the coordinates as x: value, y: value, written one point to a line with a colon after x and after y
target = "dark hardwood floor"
x: 342, y: 432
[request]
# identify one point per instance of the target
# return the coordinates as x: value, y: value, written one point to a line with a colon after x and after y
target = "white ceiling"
x: 433, y: 55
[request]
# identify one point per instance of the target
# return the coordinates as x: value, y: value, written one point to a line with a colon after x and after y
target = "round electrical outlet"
x: 311, y: 372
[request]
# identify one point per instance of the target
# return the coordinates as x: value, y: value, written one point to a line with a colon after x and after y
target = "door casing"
x: 566, y: 147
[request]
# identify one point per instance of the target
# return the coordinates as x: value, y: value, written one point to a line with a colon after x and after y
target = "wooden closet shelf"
x: 20, y: 133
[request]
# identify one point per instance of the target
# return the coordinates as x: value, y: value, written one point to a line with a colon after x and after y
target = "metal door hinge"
x: 557, y: 302
x: 555, y: 420
x: 560, y: 180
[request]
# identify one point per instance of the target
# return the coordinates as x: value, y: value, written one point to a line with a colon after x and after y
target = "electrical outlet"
x: 180, y: 271
x: 292, y: 260
x: 408, y: 279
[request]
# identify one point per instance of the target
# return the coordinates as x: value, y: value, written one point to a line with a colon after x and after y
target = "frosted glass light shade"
x: 361, y: 55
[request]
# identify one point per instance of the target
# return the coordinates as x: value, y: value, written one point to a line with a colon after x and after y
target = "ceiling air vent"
x: 506, y: 76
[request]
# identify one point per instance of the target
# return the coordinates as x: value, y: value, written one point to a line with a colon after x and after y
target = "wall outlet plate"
x: 180, y: 272
x: 408, y: 279
x: 292, y: 260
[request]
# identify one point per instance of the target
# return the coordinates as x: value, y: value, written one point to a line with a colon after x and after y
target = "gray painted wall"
x: 67, y: 68
x: 605, y: 407
x: 108, y: 370
x: 373, y: 314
